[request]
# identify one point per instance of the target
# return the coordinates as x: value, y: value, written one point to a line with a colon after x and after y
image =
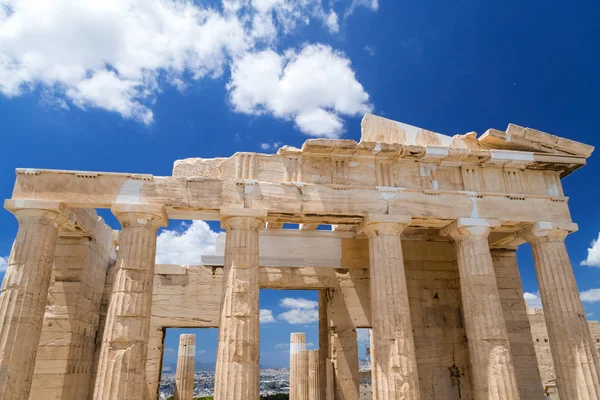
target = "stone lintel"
x: 243, y: 212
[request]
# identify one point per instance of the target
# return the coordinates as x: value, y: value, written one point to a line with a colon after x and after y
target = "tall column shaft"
x: 237, y: 372
x: 184, y: 375
x: 323, y: 344
x: 343, y: 347
x: 124, y: 350
x: 394, y: 362
x: 298, y: 367
x: 24, y: 294
x: 314, y: 376
x: 575, y: 360
x: 492, y: 367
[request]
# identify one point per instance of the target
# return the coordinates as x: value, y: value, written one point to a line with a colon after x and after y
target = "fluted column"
x: 237, y: 372
x: 314, y: 377
x: 184, y: 375
x: 492, y: 367
x: 575, y: 360
x: 323, y: 343
x: 298, y: 367
x: 124, y: 349
x: 24, y: 293
x: 394, y: 363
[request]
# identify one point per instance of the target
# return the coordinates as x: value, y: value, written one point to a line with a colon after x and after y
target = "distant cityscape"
x: 272, y: 381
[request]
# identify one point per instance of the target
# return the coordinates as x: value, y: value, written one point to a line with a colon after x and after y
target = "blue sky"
x: 132, y: 85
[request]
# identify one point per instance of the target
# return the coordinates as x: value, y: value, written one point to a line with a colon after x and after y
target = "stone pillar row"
x: 123, y: 352
x: 184, y: 374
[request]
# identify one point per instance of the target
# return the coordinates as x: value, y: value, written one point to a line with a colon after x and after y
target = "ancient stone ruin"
x: 420, y: 249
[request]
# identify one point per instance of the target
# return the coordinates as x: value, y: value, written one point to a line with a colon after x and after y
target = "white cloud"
x: 301, y: 311
x: 589, y: 315
x: 314, y: 87
x: 304, y: 304
x: 187, y: 245
x: 110, y: 53
x: 270, y: 146
x: 590, y: 296
x: 370, y: 50
x: 370, y: 4
x: 266, y: 316
x: 3, y: 264
x: 299, y: 316
x: 117, y: 55
x: 332, y: 22
x: 593, y: 257
x: 533, y: 300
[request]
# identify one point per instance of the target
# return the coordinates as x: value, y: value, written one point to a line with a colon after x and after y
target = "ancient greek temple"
x: 420, y: 248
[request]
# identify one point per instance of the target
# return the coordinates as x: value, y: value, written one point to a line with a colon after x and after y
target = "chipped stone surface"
x: 421, y: 251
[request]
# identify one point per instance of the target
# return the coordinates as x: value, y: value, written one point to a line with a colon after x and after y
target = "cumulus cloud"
x: 590, y: 296
x: 593, y: 257
x: 185, y: 245
x: 304, y: 304
x: 300, y: 311
x: 3, y: 264
x: 117, y: 55
x: 313, y: 86
x: 110, y: 53
x: 266, y: 316
x: 533, y: 300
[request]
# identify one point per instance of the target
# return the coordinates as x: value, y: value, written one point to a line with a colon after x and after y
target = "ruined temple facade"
x: 420, y: 249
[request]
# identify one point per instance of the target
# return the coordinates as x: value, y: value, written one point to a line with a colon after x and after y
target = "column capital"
x: 43, y: 209
x: 151, y: 216
x: 243, y: 218
x: 545, y: 231
x: 383, y: 224
x: 470, y: 228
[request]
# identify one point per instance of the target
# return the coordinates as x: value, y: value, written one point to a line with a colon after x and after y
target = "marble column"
x: 298, y: 367
x: 184, y: 374
x: 492, y: 368
x: 343, y: 347
x: 394, y: 363
x: 323, y: 343
x: 124, y: 349
x: 314, y: 388
x: 24, y: 292
x: 237, y: 372
x: 575, y: 360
